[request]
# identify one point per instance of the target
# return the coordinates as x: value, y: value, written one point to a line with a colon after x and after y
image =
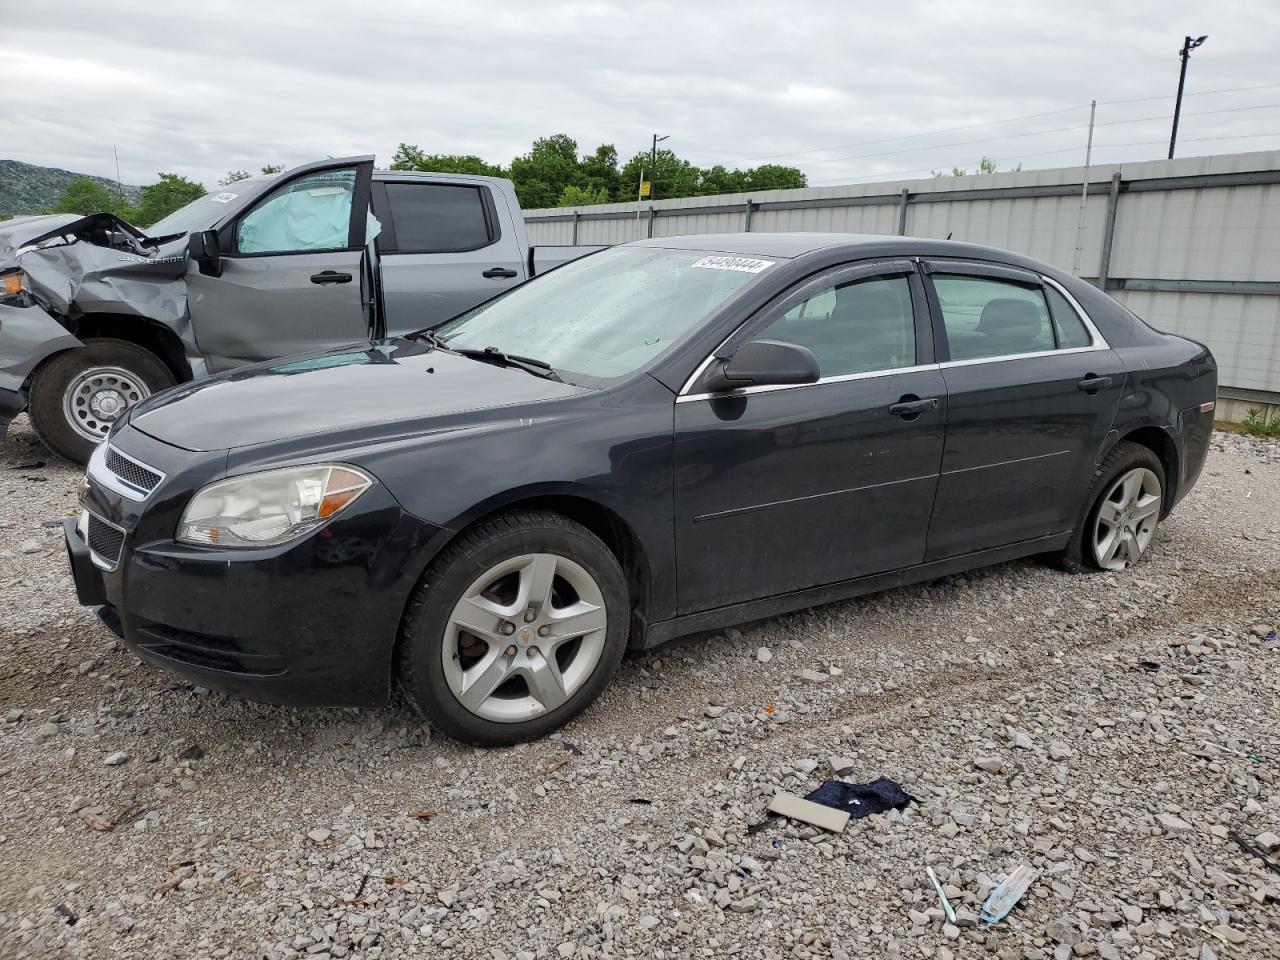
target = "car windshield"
x: 608, y: 314
x: 199, y: 214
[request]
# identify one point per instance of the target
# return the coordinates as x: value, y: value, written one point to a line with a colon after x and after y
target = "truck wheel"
x: 76, y: 397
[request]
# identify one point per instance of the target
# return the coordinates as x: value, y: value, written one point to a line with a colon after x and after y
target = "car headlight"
x: 12, y: 284
x: 262, y: 509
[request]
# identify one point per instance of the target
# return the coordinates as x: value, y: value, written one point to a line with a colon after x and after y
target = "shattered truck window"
x: 310, y: 213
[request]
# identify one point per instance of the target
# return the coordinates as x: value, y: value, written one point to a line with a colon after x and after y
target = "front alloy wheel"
x: 514, y: 629
x: 524, y: 638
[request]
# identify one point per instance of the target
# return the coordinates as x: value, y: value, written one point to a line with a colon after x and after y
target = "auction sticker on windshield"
x: 741, y: 264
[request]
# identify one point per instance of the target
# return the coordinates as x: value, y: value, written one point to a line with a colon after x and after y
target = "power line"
x: 989, y: 123
x: 1032, y: 133
x: 911, y: 136
x: 1203, y: 93
x: 1043, y: 153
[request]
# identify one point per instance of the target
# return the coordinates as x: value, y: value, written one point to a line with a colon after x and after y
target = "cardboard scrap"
x: 797, y: 808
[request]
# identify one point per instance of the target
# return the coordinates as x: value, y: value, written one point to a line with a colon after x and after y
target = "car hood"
x: 398, y: 384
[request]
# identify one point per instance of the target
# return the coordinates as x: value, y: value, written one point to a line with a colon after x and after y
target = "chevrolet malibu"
x: 667, y: 437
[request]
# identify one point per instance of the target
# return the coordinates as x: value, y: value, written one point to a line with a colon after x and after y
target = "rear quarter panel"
x: 1168, y: 382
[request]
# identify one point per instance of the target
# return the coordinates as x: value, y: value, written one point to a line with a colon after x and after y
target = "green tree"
x: 85, y: 196
x: 410, y: 157
x: 271, y: 168
x: 542, y: 174
x: 600, y: 171
x: 671, y: 177
x: 234, y: 176
x: 771, y: 176
x: 717, y: 179
x: 576, y: 196
x: 162, y: 198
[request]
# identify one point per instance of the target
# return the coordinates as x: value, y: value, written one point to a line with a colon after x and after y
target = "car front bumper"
x: 309, y: 623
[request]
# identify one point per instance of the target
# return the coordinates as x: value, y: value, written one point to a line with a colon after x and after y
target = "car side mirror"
x: 202, y: 247
x: 759, y: 363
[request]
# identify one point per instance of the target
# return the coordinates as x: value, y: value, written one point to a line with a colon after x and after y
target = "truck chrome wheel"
x: 1127, y: 518
x: 98, y: 397
x: 525, y: 636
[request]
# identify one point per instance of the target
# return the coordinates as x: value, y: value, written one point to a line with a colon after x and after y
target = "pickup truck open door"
x: 293, y: 271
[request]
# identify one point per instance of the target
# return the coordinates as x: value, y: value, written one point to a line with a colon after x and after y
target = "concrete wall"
x: 1190, y: 245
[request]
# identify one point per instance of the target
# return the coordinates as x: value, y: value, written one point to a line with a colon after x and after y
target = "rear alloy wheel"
x: 515, y: 629
x: 1126, y: 519
x: 78, y: 395
x: 1120, y: 512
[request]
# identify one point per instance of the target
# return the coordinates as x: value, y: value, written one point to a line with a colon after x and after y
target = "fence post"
x: 652, y: 215
x: 746, y: 225
x: 902, y: 213
x: 577, y: 215
x: 1109, y: 231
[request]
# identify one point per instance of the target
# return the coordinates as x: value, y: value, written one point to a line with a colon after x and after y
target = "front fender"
x: 28, y: 336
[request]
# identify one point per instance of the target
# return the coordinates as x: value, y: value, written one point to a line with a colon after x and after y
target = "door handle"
x: 498, y: 273
x: 330, y: 276
x: 1092, y: 384
x: 910, y: 407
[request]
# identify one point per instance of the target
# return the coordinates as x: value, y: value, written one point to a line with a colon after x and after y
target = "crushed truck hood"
x: 77, y: 264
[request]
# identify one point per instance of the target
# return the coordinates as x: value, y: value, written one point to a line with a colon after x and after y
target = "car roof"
x: 854, y: 245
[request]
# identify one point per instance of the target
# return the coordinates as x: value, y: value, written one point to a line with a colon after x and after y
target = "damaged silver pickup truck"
x: 96, y: 315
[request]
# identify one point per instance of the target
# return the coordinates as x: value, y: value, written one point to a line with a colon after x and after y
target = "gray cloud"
x: 202, y: 91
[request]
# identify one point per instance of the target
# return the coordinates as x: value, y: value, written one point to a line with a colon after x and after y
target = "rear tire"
x: 514, y: 629
x: 1120, y: 513
x: 76, y: 397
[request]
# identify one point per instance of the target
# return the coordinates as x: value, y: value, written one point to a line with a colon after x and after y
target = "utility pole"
x: 1185, y: 54
x: 119, y: 182
x: 653, y: 164
x: 653, y: 160
x: 1084, y: 189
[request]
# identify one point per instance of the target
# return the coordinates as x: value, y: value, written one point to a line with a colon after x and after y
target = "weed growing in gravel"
x: 1258, y: 425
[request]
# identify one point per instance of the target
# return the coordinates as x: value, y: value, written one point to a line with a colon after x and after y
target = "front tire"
x: 79, y: 394
x: 1121, y: 511
x: 514, y: 629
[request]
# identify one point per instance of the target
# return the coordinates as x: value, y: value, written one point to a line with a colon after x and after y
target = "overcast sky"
x: 199, y: 89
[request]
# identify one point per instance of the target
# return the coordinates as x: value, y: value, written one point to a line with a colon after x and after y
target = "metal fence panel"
x: 1192, y: 245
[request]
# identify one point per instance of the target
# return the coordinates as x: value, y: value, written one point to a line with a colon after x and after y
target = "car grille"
x: 105, y: 540
x: 132, y: 472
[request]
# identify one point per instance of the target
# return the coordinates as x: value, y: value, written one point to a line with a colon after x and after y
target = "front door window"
x: 310, y: 214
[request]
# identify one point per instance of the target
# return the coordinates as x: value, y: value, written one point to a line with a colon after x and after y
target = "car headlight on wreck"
x: 264, y: 509
x: 11, y: 284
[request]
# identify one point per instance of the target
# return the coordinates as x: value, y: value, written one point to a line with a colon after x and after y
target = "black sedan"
x: 667, y: 437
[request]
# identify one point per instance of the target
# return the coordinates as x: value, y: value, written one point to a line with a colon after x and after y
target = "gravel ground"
x: 1116, y: 733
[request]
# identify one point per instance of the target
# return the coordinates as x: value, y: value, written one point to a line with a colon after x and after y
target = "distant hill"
x: 28, y: 188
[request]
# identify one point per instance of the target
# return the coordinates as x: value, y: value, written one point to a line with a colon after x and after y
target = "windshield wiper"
x: 427, y: 334
x: 539, y: 368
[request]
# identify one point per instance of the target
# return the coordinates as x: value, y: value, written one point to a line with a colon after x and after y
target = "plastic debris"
x: 942, y: 895
x: 1004, y: 897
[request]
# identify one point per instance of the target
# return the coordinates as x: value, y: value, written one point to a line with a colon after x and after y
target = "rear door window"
x: 439, y: 218
x: 986, y: 317
x: 1067, y: 324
